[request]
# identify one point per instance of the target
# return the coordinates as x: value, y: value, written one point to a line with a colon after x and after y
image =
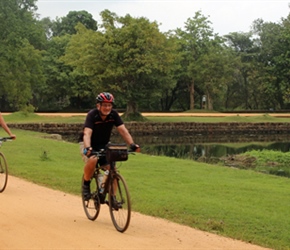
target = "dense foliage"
x: 61, y: 64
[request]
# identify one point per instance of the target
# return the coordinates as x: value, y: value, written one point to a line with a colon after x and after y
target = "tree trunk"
x: 209, y: 103
x: 131, y: 113
x: 131, y: 108
x: 191, y: 95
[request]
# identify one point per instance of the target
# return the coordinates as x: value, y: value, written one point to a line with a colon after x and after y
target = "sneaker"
x: 102, y: 198
x: 115, y: 204
x: 86, y: 192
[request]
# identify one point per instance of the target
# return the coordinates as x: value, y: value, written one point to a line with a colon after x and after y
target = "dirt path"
x: 180, y: 114
x: 174, y: 114
x: 35, y: 217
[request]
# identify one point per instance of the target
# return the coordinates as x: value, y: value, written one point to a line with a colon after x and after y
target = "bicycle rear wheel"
x: 92, y: 206
x: 119, y: 203
x: 3, y: 172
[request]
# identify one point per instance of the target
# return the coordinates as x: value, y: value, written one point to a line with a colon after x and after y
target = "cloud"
x: 226, y: 16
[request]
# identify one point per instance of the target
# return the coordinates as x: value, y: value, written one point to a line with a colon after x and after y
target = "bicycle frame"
x: 115, y: 191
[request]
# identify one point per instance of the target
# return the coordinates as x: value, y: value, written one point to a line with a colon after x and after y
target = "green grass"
x: 20, y: 117
x: 234, y: 118
x: 271, y: 162
x: 241, y: 204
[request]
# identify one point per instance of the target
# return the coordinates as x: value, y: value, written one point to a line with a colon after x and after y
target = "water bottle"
x: 100, y: 180
x: 105, y: 176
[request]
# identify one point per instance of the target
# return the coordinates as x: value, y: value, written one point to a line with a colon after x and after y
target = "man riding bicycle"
x: 97, y: 132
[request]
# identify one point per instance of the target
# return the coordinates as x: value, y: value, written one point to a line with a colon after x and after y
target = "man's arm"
x: 5, y: 127
x: 87, y: 137
x: 125, y: 134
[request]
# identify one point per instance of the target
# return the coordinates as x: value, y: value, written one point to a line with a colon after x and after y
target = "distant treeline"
x: 62, y: 64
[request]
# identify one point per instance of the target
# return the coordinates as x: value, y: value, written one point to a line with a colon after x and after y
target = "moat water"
x: 207, y: 147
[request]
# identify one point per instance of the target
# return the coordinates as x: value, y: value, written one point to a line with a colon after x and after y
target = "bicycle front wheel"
x: 119, y: 203
x: 92, y: 206
x: 3, y: 172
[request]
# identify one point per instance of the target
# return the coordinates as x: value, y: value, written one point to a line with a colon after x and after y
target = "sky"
x: 225, y: 16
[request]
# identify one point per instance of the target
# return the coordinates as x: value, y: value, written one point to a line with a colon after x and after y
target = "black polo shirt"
x: 102, y: 129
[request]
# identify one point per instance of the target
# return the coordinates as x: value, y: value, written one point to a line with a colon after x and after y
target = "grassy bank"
x: 240, y: 204
x: 19, y: 117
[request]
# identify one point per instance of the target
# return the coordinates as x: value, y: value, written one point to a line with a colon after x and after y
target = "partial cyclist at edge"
x: 5, y: 127
x: 97, y: 131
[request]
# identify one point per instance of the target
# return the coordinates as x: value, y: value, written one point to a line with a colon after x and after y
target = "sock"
x: 87, y: 183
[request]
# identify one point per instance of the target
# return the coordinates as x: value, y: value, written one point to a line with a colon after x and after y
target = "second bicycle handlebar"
x: 6, y: 138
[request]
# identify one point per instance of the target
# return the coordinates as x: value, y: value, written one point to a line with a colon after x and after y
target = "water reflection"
x: 208, y: 152
x: 206, y: 148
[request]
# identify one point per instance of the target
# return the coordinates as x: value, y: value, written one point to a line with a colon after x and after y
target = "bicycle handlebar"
x: 102, y: 152
x: 3, y: 139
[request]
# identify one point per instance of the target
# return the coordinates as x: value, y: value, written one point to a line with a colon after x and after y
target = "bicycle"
x: 3, y: 166
x: 115, y: 189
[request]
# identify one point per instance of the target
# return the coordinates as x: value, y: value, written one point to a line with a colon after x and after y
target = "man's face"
x: 105, y: 108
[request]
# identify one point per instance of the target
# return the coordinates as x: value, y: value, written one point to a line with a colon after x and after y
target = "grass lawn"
x: 240, y: 204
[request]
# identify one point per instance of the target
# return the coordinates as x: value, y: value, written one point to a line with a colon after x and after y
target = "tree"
x: 66, y: 25
x: 56, y: 92
x: 274, y: 40
x: 214, y: 72
x: 47, y: 24
x: 247, y: 51
x: 129, y: 57
x: 198, y: 43
x: 20, y: 58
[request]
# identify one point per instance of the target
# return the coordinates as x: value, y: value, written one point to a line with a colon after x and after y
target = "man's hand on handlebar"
x: 13, y: 137
x: 87, y: 151
x: 135, y: 147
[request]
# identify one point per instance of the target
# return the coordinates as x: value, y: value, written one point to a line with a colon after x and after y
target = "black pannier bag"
x: 116, y: 152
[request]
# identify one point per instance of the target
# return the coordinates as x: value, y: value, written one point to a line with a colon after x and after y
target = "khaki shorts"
x: 85, y: 159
